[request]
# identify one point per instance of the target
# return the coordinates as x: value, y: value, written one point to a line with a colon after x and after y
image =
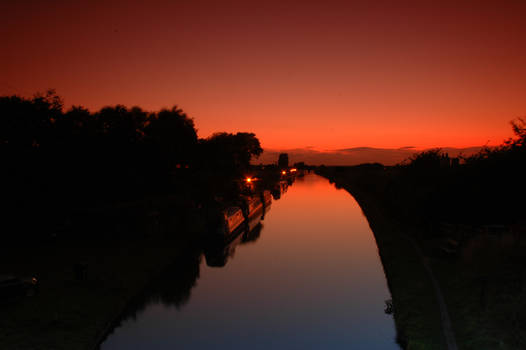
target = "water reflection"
x: 253, y: 235
x: 280, y: 188
x: 311, y: 279
x: 218, y: 253
x: 173, y: 289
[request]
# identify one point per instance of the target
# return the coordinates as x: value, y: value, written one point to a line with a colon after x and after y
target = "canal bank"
x: 90, y: 273
x: 416, y: 309
x: 87, y: 276
x: 478, y: 268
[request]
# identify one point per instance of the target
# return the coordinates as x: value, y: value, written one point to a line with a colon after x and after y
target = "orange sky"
x: 325, y: 74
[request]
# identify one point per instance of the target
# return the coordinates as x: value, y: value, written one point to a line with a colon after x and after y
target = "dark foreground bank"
x: 478, y: 267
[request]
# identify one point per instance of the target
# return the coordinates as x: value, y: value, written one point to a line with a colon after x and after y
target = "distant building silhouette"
x: 283, y: 160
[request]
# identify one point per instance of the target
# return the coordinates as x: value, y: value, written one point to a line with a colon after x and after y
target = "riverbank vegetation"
x: 56, y: 162
x: 98, y: 204
x: 467, y: 217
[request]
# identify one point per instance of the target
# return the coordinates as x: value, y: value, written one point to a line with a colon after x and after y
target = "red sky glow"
x: 324, y: 74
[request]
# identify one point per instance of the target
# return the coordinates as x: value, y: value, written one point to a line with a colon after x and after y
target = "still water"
x: 309, y: 278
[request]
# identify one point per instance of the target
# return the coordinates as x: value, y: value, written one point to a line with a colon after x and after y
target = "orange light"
x: 293, y: 170
x: 248, y: 179
x: 283, y: 172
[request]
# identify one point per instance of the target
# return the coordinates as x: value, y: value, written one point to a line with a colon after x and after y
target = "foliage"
x: 77, y: 158
x: 230, y: 152
x: 519, y: 129
x: 427, y: 158
x: 485, y: 189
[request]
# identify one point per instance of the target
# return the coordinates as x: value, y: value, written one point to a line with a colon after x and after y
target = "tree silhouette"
x: 231, y: 152
x: 55, y: 161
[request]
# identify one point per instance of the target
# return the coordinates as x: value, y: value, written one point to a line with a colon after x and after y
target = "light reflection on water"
x: 312, y: 279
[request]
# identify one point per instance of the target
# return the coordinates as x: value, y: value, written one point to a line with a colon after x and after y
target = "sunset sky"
x: 322, y: 74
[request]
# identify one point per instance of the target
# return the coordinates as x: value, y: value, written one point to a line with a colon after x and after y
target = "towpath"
x: 449, y: 335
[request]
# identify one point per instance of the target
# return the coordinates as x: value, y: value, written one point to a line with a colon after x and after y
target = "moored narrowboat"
x: 232, y: 219
x: 266, y: 198
x: 252, y: 205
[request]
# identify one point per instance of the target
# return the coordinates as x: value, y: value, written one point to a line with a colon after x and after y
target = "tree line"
x: 75, y: 157
x: 484, y: 188
x: 431, y: 188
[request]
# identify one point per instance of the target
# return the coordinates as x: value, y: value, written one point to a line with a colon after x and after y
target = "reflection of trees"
x: 217, y: 252
x: 280, y: 188
x: 253, y: 235
x: 276, y: 193
x: 172, y: 288
x: 178, y: 280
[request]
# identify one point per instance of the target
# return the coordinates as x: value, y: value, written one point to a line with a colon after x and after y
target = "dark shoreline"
x: 406, y: 278
x: 122, y: 259
x: 126, y: 248
x: 189, y: 250
x: 481, y: 281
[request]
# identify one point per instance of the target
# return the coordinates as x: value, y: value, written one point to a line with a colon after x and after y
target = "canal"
x: 310, y: 278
